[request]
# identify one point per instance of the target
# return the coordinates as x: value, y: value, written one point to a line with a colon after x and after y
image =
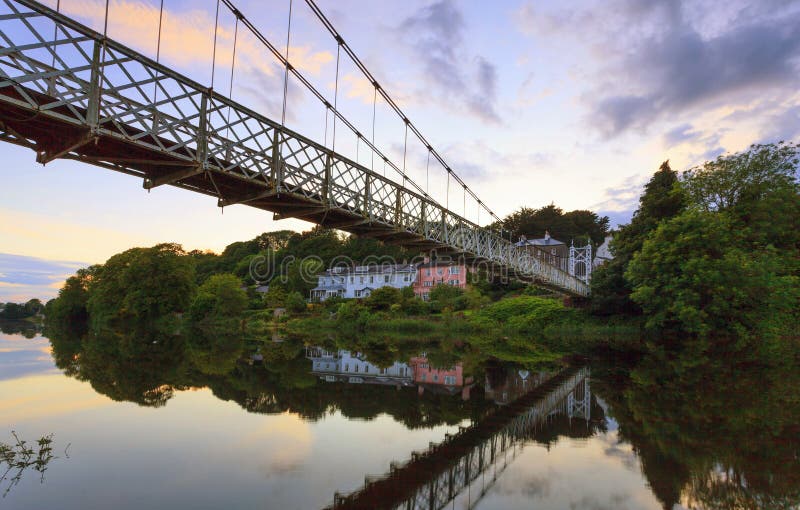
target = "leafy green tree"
x: 143, y: 284
x: 691, y: 276
x: 757, y: 188
x: 662, y: 199
x: 221, y: 296
x: 383, y: 298
x: 447, y: 296
x: 69, y: 309
x: 533, y: 223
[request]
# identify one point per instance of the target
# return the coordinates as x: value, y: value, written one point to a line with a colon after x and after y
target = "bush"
x: 522, y: 313
x: 296, y: 303
x: 383, y: 298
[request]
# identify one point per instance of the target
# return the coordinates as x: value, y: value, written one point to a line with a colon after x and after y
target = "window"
x: 450, y: 380
x: 454, y: 282
x: 356, y: 369
x: 455, y: 270
x: 352, y: 280
x: 346, y: 367
x: 439, y: 272
x: 423, y: 377
x: 435, y: 377
x: 371, y: 279
x: 407, y: 278
x: 386, y: 278
x: 360, y: 279
x: 427, y: 283
x: 428, y: 272
x: 423, y: 365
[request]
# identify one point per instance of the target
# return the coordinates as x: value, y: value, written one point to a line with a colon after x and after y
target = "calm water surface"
x: 155, y: 422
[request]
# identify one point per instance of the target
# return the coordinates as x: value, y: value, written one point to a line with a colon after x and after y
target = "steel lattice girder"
x: 95, y: 100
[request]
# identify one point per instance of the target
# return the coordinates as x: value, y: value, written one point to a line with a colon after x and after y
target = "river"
x: 147, y: 421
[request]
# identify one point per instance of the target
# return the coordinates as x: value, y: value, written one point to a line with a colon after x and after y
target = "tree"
x: 693, y: 277
x: 662, y: 199
x: 221, y: 296
x: 563, y: 226
x: 757, y: 188
x: 142, y: 284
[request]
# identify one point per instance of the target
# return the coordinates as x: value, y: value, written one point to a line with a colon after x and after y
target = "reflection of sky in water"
x: 201, y: 452
x: 20, y: 356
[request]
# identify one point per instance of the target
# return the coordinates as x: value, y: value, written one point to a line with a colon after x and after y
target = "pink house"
x: 451, y: 379
x: 431, y: 274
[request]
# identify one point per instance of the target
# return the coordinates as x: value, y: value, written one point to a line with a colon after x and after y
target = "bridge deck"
x: 68, y: 92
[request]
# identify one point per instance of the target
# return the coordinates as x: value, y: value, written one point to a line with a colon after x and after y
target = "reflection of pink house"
x: 447, y: 379
x: 430, y: 274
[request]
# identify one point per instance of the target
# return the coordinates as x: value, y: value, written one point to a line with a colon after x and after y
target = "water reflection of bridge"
x: 435, y: 477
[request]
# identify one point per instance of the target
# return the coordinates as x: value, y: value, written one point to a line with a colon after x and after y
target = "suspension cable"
x: 286, y: 72
x: 329, y: 26
x: 158, y: 53
x: 335, y: 95
x: 233, y: 67
x: 405, y: 149
x: 427, y: 174
x: 374, y: 106
x: 214, y: 53
x: 55, y: 35
x: 282, y: 58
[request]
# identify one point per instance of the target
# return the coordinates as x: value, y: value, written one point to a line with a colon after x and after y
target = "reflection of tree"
x: 19, y: 327
x: 718, y: 433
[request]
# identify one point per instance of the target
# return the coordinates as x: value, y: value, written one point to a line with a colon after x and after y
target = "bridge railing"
x: 55, y: 67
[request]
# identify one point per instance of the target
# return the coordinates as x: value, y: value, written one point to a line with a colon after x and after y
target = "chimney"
x: 546, y: 235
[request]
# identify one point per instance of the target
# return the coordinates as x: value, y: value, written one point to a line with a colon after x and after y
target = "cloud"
x: 437, y: 34
x: 666, y: 59
x: 26, y: 277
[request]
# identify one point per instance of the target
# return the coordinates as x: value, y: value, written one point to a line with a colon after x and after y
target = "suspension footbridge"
x: 70, y: 92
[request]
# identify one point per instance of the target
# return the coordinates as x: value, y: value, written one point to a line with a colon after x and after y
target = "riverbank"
x: 516, y: 320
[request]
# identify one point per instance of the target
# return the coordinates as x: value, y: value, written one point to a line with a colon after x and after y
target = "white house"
x: 603, y: 254
x: 351, y: 367
x: 360, y: 281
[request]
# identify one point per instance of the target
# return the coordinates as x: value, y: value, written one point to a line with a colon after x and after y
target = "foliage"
x: 142, y: 284
x: 295, y: 302
x: 220, y: 296
x: 383, y: 298
x: 445, y: 296
x: 727, y: 266
x: 562, y: 226
x: 524, y: 313
x: 13, y: 311
x: 662, y: 199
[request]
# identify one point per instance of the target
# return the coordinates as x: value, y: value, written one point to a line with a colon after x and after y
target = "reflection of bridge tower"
x: 475, y: 456
x: 579, y: 402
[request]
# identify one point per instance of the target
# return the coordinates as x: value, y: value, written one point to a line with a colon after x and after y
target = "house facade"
x: 431, y: 274
x: 360, y: 281
x: 547, y: 249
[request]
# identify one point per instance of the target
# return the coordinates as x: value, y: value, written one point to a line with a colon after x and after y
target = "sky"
x: 531, y: 103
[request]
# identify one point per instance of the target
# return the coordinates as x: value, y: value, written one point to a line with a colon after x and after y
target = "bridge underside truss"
x: 431, y: 480
x: 68, y: 92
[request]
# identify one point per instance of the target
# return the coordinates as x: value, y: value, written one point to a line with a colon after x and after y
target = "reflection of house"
x: 350, y: 367
x: 603, y: 254
x: 549, y: 250
x: 507, y: 385
x: 431, y: 274
x: 360, y: 281
x: 450, y: 380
